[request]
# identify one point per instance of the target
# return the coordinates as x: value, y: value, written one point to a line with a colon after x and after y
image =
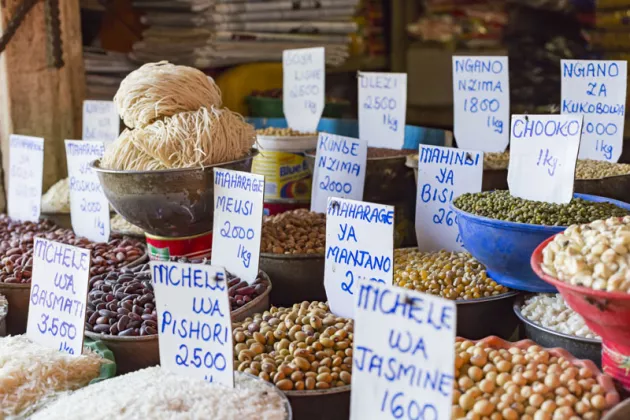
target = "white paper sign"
x: 89, y: 208
x: 26, y: 159
x: 339, y: 170
x: 597, y: 91
x: 238, y: 210
x: 304, y: 88
x: 481, y: 103
x: 359, y: 248
x: 100, y: 121
x: 403, y: 354
x: 194, y: 322
x: 59, y: 287
x: 444, y: 173
x: 543, y: 154
x: 382, y: 109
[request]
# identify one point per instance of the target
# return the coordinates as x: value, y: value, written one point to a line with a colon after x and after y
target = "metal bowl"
x: 480, y: 318
x: 131, y: 353
x: 172, y: 203
x: 258, y: 305
x: 296, y: 278
x: 582, y: 348
x: 328, y: 404
x: 242, y: 377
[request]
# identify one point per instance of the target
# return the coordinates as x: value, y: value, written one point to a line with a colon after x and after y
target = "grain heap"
x: 294, y: 232
x: 551, y: 311
x: 596, y: 255
x: 57, y: 198
x: 166, y: 396
x: 500, y: 205
x: 31, y: 374
x: 122, y: 226
x: 175, y: 120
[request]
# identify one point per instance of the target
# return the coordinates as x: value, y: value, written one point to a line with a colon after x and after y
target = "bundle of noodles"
x: 184, y: 140
x: 158, y: 90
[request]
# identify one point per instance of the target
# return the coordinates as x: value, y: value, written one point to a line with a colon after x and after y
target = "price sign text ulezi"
x: 481, y: 103
x: 359, y: 248
x: 304, y: 88
x: 100, y: 121
x: 543, y: 154
x: 444, y: 173
x: 403, y: 354
x: 382, y: 109
x: 596, y: 90
x: 26, y: 168
x: 59, y: 287
x: 89, y: 208
x: 194, y: 324
x: 238, y: 209
x: 339, y: 170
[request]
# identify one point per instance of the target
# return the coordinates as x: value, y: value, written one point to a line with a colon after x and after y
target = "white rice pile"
x: 157, y: 394
x: 31, y: 374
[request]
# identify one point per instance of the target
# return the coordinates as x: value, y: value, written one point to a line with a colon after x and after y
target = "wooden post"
x: 36, y: 99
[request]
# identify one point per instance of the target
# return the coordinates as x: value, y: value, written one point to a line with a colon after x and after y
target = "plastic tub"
x: 505, y: 247
x: 607, y: 314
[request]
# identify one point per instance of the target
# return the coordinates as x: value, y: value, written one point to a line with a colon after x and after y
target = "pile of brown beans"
x: 304, y: 347
x: 294, y: 232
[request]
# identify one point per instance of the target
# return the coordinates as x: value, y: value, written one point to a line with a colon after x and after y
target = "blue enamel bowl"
x: 505, y: 248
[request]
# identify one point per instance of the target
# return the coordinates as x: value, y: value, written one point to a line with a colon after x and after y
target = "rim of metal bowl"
x: 518, y: 304
x: 120, y: 339
x: 318, y: 392
x: 528, y: 226
x: 96, y: 165
x: 511, y: 293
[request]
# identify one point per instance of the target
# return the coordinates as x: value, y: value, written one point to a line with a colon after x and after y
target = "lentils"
x: 451, y: 275
x: 283, y: 132
x: 294, y: 232
x: 594, y: 255
x: 496, y: 160
x: 501, y: 205
x: 304, y: 347
x: 522, y: 383
x: 597, y: 169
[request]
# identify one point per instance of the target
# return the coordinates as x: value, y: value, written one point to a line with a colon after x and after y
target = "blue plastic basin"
x: 505, y: 248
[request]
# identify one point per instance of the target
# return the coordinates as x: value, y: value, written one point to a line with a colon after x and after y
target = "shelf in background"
x: 361, y: 63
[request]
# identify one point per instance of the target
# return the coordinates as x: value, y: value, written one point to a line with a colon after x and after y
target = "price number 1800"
x: 474, y: 105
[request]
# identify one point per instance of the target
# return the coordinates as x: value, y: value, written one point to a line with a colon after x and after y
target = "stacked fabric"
x: 217, y: 33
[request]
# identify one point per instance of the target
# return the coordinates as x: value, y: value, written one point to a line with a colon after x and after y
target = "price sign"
x: 194, y: 324
x: 359, y: 248
x: 100, y: 121
x: 238, y: 209
x: 89, y: 208
x: 403, y: 354
x: 382, y: 109
x: 339, y: 170
x: 481, y: 102
x: 26, y: 160
x: 304, y: 75
x: 543, y: 154
x: 596, y: 90
x: 59, y: 287
x: 444, y: 173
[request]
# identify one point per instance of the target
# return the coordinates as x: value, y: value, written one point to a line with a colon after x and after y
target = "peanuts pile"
x: 284, y: 132
x: 304, y: 347
x: 294, y: 232
x: 527, y: 384
x: 594, y: 255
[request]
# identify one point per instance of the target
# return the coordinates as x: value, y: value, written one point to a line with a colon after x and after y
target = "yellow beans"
x: 312, y: 348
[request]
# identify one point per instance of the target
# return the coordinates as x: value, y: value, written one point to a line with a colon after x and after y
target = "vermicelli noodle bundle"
x: 186, y: 139
x: 158, y: 90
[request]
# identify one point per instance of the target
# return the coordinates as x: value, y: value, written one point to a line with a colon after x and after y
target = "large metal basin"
x: 171, y: 203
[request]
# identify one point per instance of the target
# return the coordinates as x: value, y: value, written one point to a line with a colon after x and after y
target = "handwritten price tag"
x: 382, y: 109
x: 59, y: 287
x: 403, y: 354
x: 303, y: 92
x: 195, y: 327
x: 444, y: 173
x: 26, y: 160
x: 481, y: 102
x: 597, y: 91
x: 100, y: 121
x: 359, y: 248
x: 339, y: 170
x: 543, y: 154
x: 89, y: 208
x: 238, y: 209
